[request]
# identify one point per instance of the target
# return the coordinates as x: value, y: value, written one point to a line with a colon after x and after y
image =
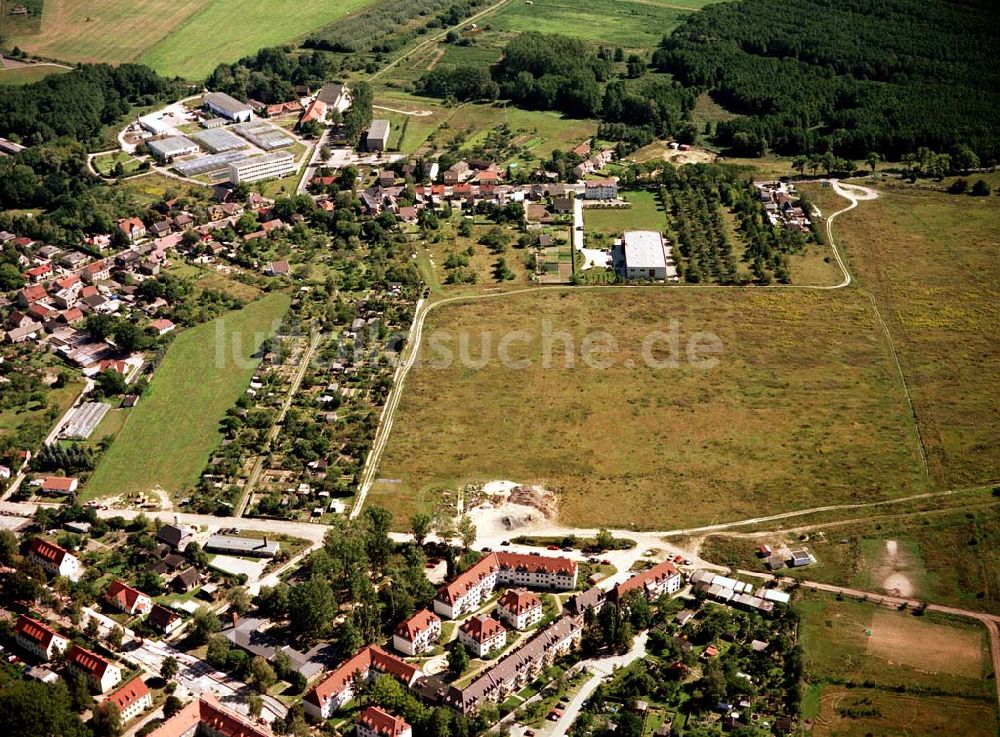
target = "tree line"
x: 809, y: 77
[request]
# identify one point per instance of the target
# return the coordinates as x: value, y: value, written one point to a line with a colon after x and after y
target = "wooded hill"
x: 852, y: 76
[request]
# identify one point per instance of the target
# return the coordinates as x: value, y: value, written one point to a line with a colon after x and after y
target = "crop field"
x: 187, y: 37
x: 856, y: 642
x: 169, y: 436
x: 861, y: 712
x: 932, y: 261
x: 812, y: 413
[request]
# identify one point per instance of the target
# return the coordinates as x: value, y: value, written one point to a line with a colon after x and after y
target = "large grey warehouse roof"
x: 222, y: 101
x: 171, y: 146
x: 379, y: 129
x: 644, y: 249
x: 232, y: 544
x: 330, y: 93
x: 220, y: 140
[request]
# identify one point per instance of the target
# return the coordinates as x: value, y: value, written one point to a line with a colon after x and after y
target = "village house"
x: 54, y: 559
x: 30, y: 294
x: 600, y: 189
x: 59, y: 485
x: 163, y: 620
x: 520, y: 609
x: 132, y: 699
x: 175, y: 536
x: 338, y: 687
x: 100, y: 673
x: 162, y: 326
x: 418, y: 633
x: 375, y: 722
x: 659, y: 580
x: 482, y: 635
x: 38, y: 639
x: 126, y: 599
x: 471, y: 588
x: 95, y: 272
x: 187, y: 580
x: 132, y: 228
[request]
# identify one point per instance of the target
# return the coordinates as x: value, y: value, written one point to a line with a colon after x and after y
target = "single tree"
x: 262, y: 675
x: 467, y: 531
x: 168, y: 669
x: 420, y: 523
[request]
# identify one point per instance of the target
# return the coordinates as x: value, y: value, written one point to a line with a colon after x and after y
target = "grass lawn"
x: 646, y: 213
x: 187, y: 37
x: 104, y: 164
x: 58, y: 399
x: 27, y: 75
x: 932, y: 261
x: 862, y: 712
x: 168, y: 438
x: 856, y: 642
x: 804, y: 407
x: 152, y: 187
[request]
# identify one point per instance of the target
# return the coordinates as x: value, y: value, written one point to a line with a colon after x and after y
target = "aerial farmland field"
x: 804, y: 405
x: 186, y: 38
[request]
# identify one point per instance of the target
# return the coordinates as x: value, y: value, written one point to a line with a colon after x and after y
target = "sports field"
x: 168, y: 438
x: 932, y: 261
x: 863, y: 712
x: 186, y: 37
x: 802, y: 409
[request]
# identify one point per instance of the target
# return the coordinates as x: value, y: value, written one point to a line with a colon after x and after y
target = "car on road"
x: 487, y: 550
x: 505, y: 542
x: 552, y: 547
x: 579, y: 227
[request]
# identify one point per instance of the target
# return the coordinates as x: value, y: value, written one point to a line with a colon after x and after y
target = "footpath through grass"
x: 168, y: 438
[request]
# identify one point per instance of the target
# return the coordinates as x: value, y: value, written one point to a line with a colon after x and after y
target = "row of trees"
x: 271, y: 74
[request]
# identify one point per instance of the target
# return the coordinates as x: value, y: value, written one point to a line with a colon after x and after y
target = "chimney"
x: 235, y: 617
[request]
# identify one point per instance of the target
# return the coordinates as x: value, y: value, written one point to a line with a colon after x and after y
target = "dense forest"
x: 80, y: 104
x: 851, y: 77
x: 553, y: 72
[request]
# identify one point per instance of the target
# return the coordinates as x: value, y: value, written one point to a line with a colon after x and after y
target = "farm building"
x: 378, y: 135
x: 645, y: 256
x: 168, y: 148
x: 228, y: 107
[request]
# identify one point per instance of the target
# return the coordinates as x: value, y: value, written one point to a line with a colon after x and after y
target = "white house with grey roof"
x: 645, y: 256
x: 228, y: 107
x: 378, y: 135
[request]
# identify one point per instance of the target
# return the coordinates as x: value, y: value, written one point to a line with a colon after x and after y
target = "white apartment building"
x: 520, y: 609
x: 418, y: 633
x: 265, y: 166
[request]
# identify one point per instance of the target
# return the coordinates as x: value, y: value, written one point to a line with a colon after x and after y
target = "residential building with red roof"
x: 375, y: 722
x: 38, y: 639
x: 37, y: 273
x: 471, y: 588
x: 338, y: 687
x: 132, y: 699
x: 97, y: 271
x: 59, y: 485
x: 482, y: 635
x: 101, y: 674
x: 54, y: 559
x: 661, y: 579
x: 206, y: 718
x: 126, y: 599
x: 162, y: 326
x: 520, y: 609
x: 316, y: 111
x: 30, y: 294
x: 418, y: 633
x: 600, y: 189
x: 133, y: 228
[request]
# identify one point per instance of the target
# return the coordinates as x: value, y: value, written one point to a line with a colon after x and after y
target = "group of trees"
x: 271, y: 74
x: 808, y: 77
x: 359, y: 116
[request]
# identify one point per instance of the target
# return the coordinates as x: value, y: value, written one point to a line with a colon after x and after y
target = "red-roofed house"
x: 101, y: 674
x: 126, y: 599
x: 600, y: 189
x: 471, y: 588
x: 38, y: 639
x: 520, y: 609
x: 162, y: 326
x: 661, y: 579
x: 132, y: 699
x: 416, y: 634
x: 482, y: 635
x: 71, y: 316
x: 315, y: 111
x: 54, y: 559
x: 375, y: 722
x: 338, y: 688
x: 59, y: 485
x: 31, y: 294
x: 97, y: 271
x: 206, y: 717
x: 133, y: 228
x: 37, y: 273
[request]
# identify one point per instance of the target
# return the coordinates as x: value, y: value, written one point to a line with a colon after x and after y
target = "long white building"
x: 265, y: 166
